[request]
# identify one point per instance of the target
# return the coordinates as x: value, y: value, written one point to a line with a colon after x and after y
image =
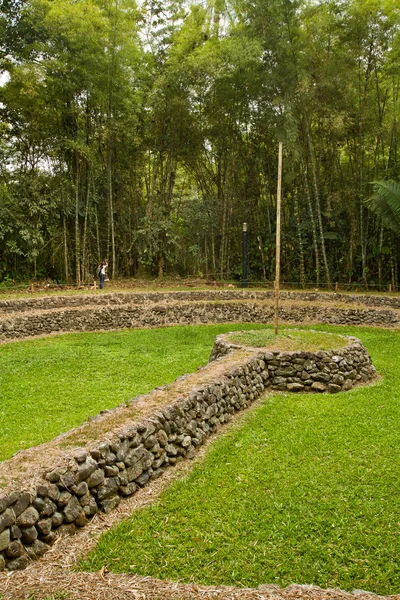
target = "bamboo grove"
x: 147, y: 133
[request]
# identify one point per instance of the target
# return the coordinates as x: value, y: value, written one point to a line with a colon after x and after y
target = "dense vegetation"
x: 304, y: 490
x: 147, y: 133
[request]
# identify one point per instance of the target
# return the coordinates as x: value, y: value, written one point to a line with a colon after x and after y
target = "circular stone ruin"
x: 332, y: 371
x: 60, y: 490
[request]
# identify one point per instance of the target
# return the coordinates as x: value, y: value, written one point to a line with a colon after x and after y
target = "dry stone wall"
x: 96, y: 478
x: 330, y: 371
x: 115, y: 314
x: 145, y: 298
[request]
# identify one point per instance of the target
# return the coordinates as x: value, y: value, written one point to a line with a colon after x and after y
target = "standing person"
x: 102, y: 272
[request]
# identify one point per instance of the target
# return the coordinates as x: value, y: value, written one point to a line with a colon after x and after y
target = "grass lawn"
x: 48, y: 386
x: 304, y: 489
x: 289, y: 340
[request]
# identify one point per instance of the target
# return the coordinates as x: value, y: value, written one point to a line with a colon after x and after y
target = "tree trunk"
x: 317, y: 201
x: 301, y: 252
x: 380, y: 257
x: 111, y: 75
x: 206, y: 256
x: 65, y: 250
x: 77, y: 240
x: 260, y: 247
x: 84, y: 250
x: 97, y: 237
x: 213, y: 254
x: 313, y: 226
x: 112, y: 227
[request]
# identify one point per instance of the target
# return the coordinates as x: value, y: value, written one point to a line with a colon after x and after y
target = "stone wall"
x: 157, y: 314
x: 330, y: 371
x: 95, y: 478
x: 144, y: 298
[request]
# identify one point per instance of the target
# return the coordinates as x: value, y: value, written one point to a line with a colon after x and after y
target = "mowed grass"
x: 48, y: 386
x: 304, y: 490
x: 289, y: 340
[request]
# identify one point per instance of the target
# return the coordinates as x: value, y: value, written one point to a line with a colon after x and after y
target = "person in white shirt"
x: 102, y: 272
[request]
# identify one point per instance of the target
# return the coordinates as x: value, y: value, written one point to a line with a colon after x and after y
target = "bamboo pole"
x: 278, y: 238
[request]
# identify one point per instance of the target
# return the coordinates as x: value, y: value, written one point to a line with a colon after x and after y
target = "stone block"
x: 28, y: 518
x: 57, y: 519
x: 18, y: 564
x: 67, y: 480
x: 7, y: 518
x: 22, y: 503
x: 53, y: 476
x: 131, y: 473
x: 86, y: 469
x: 29, y: 535
x: 318, y: 386
x: 80, y: 489
x: 109, y: 488
x: 72, y: 510
x: 38, y: 548
x: 143, y: 479
x: 44, y: 526
x: 111, y: 470
x: 15, y: 532
x: 6, y: 501
x: 348, y: 385
x: 15, y: 549
x: 110, y: 504
x: 5, y: 538
x: 96, y: 478
x: 81, y: 519
x: 66, y: 529
x: 162, y: 437
x: 334, y: 389
x: 48, y: 509
x: 295, y: 387
x: 321, y: 377
x: 128, y: 490
x: 91, y: 508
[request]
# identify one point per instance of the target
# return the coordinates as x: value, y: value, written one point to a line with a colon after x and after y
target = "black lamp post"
x: 244, y: 256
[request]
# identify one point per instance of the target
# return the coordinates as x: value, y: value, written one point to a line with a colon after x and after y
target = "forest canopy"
x: 147, y: 133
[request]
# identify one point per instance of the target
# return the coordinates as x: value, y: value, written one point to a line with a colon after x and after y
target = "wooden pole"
x: 278, y: 238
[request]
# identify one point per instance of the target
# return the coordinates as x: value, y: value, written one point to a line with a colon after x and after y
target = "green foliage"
x: 385, y: 203
x: 302, y: 490
x: 141, y: 117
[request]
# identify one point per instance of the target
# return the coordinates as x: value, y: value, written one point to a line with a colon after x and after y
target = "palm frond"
x: 385, y: 203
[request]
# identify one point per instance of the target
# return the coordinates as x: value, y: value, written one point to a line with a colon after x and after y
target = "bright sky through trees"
x: 159, y: 124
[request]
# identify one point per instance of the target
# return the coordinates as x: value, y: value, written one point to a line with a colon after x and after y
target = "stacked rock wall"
x: 100, y: 317
x: 137, y: 298
x: 96, y: 478
x: 323, y: 371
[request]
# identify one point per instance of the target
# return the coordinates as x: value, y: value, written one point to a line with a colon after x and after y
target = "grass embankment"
x: 51, y: 385
x: 304, y: 490
x: 289, y: 340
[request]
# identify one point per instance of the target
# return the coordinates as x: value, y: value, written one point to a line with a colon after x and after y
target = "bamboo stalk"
x: 278, y: 238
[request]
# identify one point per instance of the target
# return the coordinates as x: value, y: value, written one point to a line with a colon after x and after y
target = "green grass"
x: 305, y: 490
x: 50, y: 385
x: 289, y: 340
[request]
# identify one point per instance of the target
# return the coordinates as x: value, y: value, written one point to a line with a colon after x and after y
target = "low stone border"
x: 109, y: 316
x: 22, y: 305
x: 96, y: 478
x: 330, y: 371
